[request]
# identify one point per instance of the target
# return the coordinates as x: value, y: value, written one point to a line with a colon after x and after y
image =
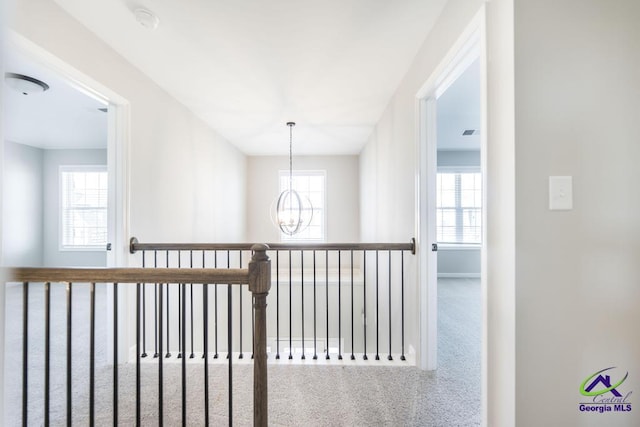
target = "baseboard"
x: 459, y: 275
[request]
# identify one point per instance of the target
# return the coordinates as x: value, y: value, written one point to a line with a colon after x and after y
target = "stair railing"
x: 257, y: 275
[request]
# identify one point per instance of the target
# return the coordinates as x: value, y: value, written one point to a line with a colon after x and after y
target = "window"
x: 309, y: 184
x: 83, y: 202
x: 459, y: 207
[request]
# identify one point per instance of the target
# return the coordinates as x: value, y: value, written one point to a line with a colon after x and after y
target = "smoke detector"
x: 146, y: 18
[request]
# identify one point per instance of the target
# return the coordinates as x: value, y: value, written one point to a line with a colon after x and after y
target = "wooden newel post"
x: 259, y: 285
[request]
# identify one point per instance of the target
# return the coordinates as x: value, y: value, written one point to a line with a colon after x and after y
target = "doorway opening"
x: 458, y: 215
x: 451, y: 108
x: 98, y: 104
x: 65, y: 161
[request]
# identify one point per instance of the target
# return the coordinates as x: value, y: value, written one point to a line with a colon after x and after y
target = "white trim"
x: 484, y: 357
x: 427, y: 233
x: 464, y: 51
x: 459, y: 247
x: 459, y: 275
x: 119, y: 175
x: 468, y: 47
x: 459, y: 169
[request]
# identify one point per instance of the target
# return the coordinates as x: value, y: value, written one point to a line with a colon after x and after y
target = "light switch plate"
x: 560, y: 193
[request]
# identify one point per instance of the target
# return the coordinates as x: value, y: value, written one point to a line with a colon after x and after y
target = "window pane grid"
x: 459, y: 207
x: 83, y: 208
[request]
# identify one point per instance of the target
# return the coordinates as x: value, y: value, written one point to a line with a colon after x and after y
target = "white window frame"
x: 460, y: 245
x: 77, y: 168
x: 323, y: 224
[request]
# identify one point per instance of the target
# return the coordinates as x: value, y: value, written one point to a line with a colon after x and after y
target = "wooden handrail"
x: 135, y: 245
x: 257, y: 276
x: 127, y: 275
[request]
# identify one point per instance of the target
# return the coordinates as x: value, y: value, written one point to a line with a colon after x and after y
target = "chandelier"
x: 293, y: 212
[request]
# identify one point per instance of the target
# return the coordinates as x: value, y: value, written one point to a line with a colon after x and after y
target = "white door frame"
x: 117, y: 142
x: 470, y: 45
x: 118, y: 137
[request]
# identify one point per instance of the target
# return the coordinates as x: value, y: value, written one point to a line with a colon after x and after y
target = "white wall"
x: 342, y: 195
x: 22, y: 216
x: 459, y: 158
x: 52, y: 255
x: 186, y: 182
x: 387, y: 180
x: 458, y: 262
x: 578, y: 275
x: 32, y: 210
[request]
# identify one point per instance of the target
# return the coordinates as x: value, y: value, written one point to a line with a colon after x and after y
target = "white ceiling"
x: 61, y: 117
x: 246, y: 67
x: 458, y: 109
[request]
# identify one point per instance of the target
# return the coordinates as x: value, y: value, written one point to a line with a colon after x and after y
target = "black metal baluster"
x: 253, y: 321
x: 353, y: 356
x: 290, y: 309
x: 364, y: 302
x: 25, y: 354
x: 228, y: 308
x: 302, y: 297
x: 240, y: 288
x: 339, y: 305
x: 47, y: 349
x: 326, y: 276
x: 180, y: 348
x: 402, y: 357
x: 253, y: 327
x: 315, y: 338
x: 158, y: 290
x: 377, y: 311
x: 215, y: 308
x: 167, y: 288
x: 205, y: 328
x: 277, y: 305
x: 205, y: 346
x: 192, y: 355
x: 92, y: 353
x: 138, y: 356
x: 389, y: 357
x: 69, y: 354
x: 160, y: 367
x: 230, y: 348
x: 144, y: 313
x: 115, y: 354
x: 183, y: 288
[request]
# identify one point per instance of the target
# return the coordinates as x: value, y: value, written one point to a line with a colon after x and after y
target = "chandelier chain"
x: 291, y: 125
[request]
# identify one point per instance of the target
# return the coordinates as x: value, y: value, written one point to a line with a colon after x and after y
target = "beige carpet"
x: 307, y: 395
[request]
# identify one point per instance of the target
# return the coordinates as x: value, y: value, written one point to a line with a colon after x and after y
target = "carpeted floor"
x: 309, y: 395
